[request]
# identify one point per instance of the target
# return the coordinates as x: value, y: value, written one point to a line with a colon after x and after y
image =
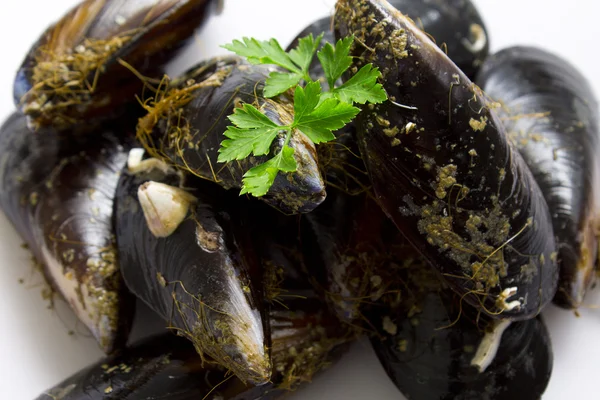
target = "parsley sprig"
x: 317, y: 113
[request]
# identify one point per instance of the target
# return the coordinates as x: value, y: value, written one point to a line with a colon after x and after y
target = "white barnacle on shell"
x: 479, y: 38
x: 136, y: 163
x: 505, y: 295
x: 165, y: 207
x: 488, y: 347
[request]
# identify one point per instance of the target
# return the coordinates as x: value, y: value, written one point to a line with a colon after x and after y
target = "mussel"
x: 188, y: 255
x: 432, y: 348
x: 58, y: 192
x: 447, y: 214
x: 356, y: 244
x: 552, y: 118
x: 455, y: 25
x: 283, y: 263
x: 352, y: 248
x: 88, y: 64
x: 444, y: 171
x: 305, y: 340
x: 185, y: 125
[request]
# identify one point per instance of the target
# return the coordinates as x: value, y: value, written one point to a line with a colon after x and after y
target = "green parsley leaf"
x: 329, y: 116
x: 316, y: 114
x: 316, y: 119
x: 253, y: 134
x: 258, y: 180
x: 306, y: 99
x: 362, y: 87
x: 336, y: 61
x: 249, y: 117
x: 278, y: 83
x: 263, y: 52
x: 304, y: 53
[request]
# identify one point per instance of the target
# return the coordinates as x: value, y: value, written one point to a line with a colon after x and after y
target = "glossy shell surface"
x: 198, y: 278
x: 58, y: 192
x: 552, y: 117
x: 73, y: 73
x: 443, y: 169
x: 176, y: 130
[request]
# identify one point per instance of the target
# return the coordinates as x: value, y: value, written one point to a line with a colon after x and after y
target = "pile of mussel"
x: 440, y: 223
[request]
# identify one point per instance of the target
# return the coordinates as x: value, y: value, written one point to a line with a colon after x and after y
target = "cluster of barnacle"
x: 450, y: 221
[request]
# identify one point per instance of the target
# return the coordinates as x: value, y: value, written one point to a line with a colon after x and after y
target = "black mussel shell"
x: 305, y: 340
x: 430, y: 348
x: 188, y: 255
x: 351, y: 246
x: 455, y: 25
x: 552, y: 118
x: 279, y: 248
x: 321, y: 26
x: 442, y: 168
x: 185, y: 127
x: 58, y: 193
x: 341, y: 163
x: 290, y: 285
x: 73, y: 73
x: 344, y: 247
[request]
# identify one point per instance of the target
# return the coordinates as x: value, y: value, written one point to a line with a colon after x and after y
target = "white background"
x: 36, y: 350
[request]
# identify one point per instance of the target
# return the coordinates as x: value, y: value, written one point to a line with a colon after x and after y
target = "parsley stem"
x: 307, y: 77
x: 288, y: 136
